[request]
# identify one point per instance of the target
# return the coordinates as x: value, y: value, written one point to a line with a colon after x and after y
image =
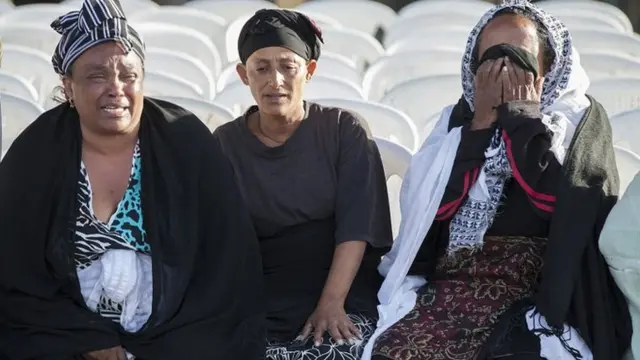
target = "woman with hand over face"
x: 497, y: 256
x: 123, y: 234
x: 314, y: 184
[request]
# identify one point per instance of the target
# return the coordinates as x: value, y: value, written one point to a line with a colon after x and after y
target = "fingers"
x: 483, y: 71
x: 121, y: 355
x: 510, y: 76
x: 306, y: 330
x: 496, y: 69
x: 539, y: 85
x: 318, y: 332
x: 335, y: 330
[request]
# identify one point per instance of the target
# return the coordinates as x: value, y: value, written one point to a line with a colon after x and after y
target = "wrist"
x: 329, y: 299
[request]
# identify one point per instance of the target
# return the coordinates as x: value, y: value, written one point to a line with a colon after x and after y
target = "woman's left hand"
x: 330, y: 316
x: 518, y: 84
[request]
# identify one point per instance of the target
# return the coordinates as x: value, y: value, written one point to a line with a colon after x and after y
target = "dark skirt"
x: 457, y: 309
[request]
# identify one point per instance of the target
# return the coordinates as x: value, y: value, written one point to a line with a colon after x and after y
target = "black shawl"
x: 207, y: 273
x: 575, y: 285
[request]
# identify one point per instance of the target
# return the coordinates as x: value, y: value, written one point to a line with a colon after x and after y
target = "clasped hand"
x: 501, y: 81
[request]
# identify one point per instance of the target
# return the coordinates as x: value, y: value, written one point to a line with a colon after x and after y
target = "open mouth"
x: 115, y: 111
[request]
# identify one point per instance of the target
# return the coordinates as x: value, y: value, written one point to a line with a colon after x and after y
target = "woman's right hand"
x: 488, y: 94
x: 115, y: 353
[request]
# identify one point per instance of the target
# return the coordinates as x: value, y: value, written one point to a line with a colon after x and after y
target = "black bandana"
x: 519, y: 56
x: 282, y: 28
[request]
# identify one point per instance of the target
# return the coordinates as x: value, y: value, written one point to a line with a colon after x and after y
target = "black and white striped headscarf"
x: 98, y: 21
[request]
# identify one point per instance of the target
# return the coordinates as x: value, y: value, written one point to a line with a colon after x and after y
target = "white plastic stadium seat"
x: 628, y: 164
x: 428, y: 25
x: 211, y: 114
x: 162, y: 84
x: 423, y: 97
x: 616, y: 94
x: 377, y: 15
x: 231, y: 9
x: 384, y: 121
x: 184, y: 40
x: 17, y: 85
x: 17, y: 114
x: 210, y: 25
x: 6, y: 6
x: 587, y: 21
x: 626, y: 130
x: 600, y: 65
x: 395, y: 159
x: 329, y: 64
x: 43, y: 14
x: 237, y: 96
x: 472, y: 7
x: 182, y: 65
x: 356, y: 45
x: 36, y: 36
x: 130, y: 7
x: 453, y: 38
x: 389, y: 71
x: 594, y: 40
x: 593, y: 8
x: 33, y: 65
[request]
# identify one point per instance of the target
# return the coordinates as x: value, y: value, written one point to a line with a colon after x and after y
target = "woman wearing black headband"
x: 497, y: 256
x: 316, y: 189
x: 123, y: 231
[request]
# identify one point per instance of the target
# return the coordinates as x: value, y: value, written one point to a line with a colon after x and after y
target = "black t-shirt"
x: 325, y: 185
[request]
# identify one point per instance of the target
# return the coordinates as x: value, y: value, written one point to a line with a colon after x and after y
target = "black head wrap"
x: 283, y: 28
x: 526, y: 60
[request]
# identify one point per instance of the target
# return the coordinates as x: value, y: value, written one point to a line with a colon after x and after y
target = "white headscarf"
x: 563, y: 105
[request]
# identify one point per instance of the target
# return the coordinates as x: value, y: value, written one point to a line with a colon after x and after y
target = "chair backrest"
x: 628, y: 164
x: 607, y: 41
x: 600, y: 65
x: 42, y: 14
x: 626, y: 130
x: 182, y: 39
x: 130, y: 7
x: 392, y: 70
x: 356, y: 45
x: 33, y: 65
x: 423, y: 97
x: 349, y: 13
x: 616, y: 94
x: 17, y: 85
x: 582, y: 21
x: 426, y: 7
x: 163, y: 84
x: 597, y: 9
x: 395, y: 157
x: 237, y: 96
x: 211, y: 114
x: 6, y: 7
x: 17, y: 114
x: 230, y: 10
x: 212, y: 26
x: 35, y: 36
x: 183, y: 65
x: 428, y: 25
x: 384, y: 122
x: 452, y: 38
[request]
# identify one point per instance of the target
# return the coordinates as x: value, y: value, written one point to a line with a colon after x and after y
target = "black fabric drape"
x: 207, y: 273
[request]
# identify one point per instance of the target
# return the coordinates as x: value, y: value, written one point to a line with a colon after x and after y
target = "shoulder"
x: 344, y: 121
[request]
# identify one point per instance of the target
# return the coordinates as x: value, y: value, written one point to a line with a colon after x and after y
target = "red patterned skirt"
x: 456, y: 311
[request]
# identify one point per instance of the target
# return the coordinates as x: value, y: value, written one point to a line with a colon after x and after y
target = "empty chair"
x: 211, y: 114
x: 472, y: 7
x: 211, y: 25
x: 33, y: 65
x: 423, y: 97
x: 17, y: 85
x: 234, y: 28
x: 600, y: 65
x: 182, y: 65
x: 237, y: 96
x: 17, y: 114
x: 588, y: 8
x: 329, y: 64
x: 428, y: 25
x: 616, y: 94
x: 130, y: 7
x: 378, y: 15
x: 230, y: 10
x: 182, y: 39
x: 628, y: 164
x: 583, y: 21
x: 626, y: 130
x: 36, y: 36
x: 453, y: 38
x: 162, y: 84
x: 384, y: 121
x: 6, y: 6
x: 356, y: 45
x: 395, y: 159
x: 389, y: 71
x: 594, y: 40
x: 43, y: 14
